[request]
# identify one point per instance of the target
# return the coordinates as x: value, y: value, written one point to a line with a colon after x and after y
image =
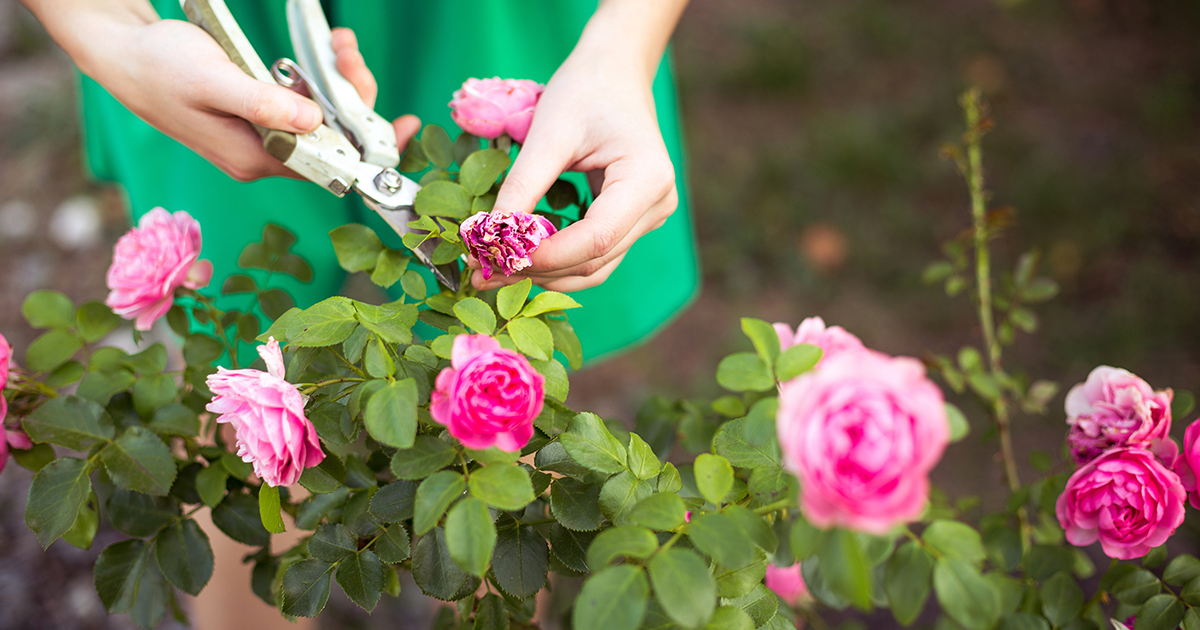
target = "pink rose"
x: 1125, y: 498
x: 268, y: 414
x: 787, y: 583
x: 152, y: 260
x: 10, y: 439
x: 833, y: 340
x: 1115, y: 408
x: 506, y: 240
x: 5, y: 360
x: 862, y: 434
x: 490, y: 107
x: 489, y: 396
x: 1187, y: 465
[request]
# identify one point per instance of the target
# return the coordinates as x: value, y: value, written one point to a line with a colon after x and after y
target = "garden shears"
x: 355, y: 148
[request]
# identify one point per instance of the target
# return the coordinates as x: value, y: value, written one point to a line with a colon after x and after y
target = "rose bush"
x: 431, y: 435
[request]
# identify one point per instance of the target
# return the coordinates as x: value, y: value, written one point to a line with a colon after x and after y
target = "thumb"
x: 266, y: 104
x: 539, y: 163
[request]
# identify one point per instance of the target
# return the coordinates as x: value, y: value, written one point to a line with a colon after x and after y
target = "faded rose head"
x: 505, y: 240
x: 268, y: 414
x: 832, y: 340
x: 1115, y: 408
x: 862, y: 434
x: 489, y: 396
x: 490, y: 107
x: 1126, y: 499
x: 152, y: 260
x: 787, y: 583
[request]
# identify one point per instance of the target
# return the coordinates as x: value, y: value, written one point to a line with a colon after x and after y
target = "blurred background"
x: 814, y: 131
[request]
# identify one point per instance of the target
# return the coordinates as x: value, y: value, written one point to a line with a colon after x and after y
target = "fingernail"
x: 306, y: 115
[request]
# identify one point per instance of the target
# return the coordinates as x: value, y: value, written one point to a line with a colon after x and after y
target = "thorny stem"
x: 983, y: 276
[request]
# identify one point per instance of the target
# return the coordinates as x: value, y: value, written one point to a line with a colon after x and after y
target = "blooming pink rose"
x: 268, y: 414
x: 1189, y: 464
x: 152, y: 260
x: 488, y: 396
x: 1125, y: 498
x: 1115, y: 408
x: 490, y: 107
x: 833, y: 340
x: 787, y: 583
x: 862, y: 434
x: 504, y: 239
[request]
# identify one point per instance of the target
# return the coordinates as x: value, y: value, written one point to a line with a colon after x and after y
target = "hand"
x: 174, y: 76
x: 596, y: 115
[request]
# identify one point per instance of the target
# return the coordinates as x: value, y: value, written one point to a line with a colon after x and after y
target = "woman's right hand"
x: 174, y: 75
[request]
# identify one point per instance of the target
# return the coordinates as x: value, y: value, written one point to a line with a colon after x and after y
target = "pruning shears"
x: 355, y: 148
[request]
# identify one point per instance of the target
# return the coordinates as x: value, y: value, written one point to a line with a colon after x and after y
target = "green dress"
x: 420, y: 52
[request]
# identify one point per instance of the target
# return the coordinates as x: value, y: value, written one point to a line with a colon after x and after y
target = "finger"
x: 351, y: 64
x: 271, y: 106
x: 240, y: 153
x: 579, y: 283
x: 648, y: 222
x: 541, y: 160
x: 406, y: 127
x: 497, y: 280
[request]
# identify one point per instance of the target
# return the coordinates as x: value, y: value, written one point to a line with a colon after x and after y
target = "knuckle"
x: 604, y: 238
x: 662, y: 172
x: 257, y: 105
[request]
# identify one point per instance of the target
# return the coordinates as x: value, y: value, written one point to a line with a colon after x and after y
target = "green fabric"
x: 420, y: 53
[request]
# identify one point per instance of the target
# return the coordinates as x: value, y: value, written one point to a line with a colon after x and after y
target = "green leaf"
x: 684, y: 587
x: 70, y: 421
x: 1181, y: 570
x: 275, y: 304
x: 435, y: 572
x: 35, y: 458
x: 562, y: 193
x: 48, y: 309
x: 361, y: 578
x: 621, y: 541
x: 1182, y: 404
x: 436, y: 146
x: 239, y: 283
x: 65, y: 374
x: 846, y: 569
x: 959, y: 427
x: 965, y: 595
x: 511, y: 298
x: 532, y: 336
x: 394, y: 546
x: 557, y: 385
x: 548, y: 301
x: 391, y: 416
x: 414, y: 158
x: 117, y: 572
x: 476, y: 314
x: 907, y: 581
x: 434, y: 495
x: 184, y: 556
x: 504, y: 487
x: 614, y: 598
x: 87, y: 523
x: 427, y: 456
x: 277, y: 239
x: 797, y: 360
x: 1039, y: 290
x: 1161, y: 612
x: 237, y: 516
x: 620, y: 494
x: 305, y: 588
x: 642, y: 461
x: 95, y: 320
x: 764, y: 338
x: 470, y: 535
x: 328, y: 476
x: 714, y: 477
x: 294, y: 266
x: 744, y: 371
x: 138, y: 460
x: 152, y: 392
x: 464, y: 145
x: 324, y: 324
x: 175, y: 419
x: 443, y: 199
x: 730, y: 618
x: 413, y: 284
x: 57, y: 492
x: 731, y: 443
x: 389, y: 267
x: 394, y: 502
x: 201, y: 349
x: 1042, y: 561
x: 719, y: 536
x: 1023, y: 621
x: 390, y: 323
x: 1062, y: 599
x: 521, y: 561
x: 268, y: 509
x: 1191, y: 620
x: 589, y: 443
x: 955, y: 540
x: 481, y: 169
x: 566, y: 342
x: 141, y: 515
x: 1136, y: 587
x: 662, y: 512
x: 332, y: 543
x: 576, y: 504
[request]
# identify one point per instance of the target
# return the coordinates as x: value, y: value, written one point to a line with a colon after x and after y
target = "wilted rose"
x: 268, y: 414
x: 489, y: 396
x: 490, y: 107
x: 504, y: 239
x: 152, y: 260
x: 1126, y: 499
x: 832, y: 340
x: 862, y: 434
x: 787, y: 583
x: 1115, y: 408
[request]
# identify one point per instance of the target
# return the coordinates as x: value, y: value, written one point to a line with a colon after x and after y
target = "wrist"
x: 624, y: 35
x: 88, y: 32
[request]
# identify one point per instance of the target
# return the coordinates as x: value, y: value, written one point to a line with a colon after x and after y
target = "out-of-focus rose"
x: 490, y: 107
x: 1187, y: 465
x: 489, y: 396
x: 787, y: 583
x: 5, y: 360
x: 504, y: 239
x: 268, y: 414
x: 152, y: 260
x: 832, y: 340
x: 862, y: 434
x: 1125, y: 498
x: 1115, y: 408
x: 10, y: 439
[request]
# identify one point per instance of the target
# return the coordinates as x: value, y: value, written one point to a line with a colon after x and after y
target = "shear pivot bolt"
x: 388, y: 179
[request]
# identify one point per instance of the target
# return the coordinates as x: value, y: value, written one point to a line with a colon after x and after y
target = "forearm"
x: 634, y: 32
x: 84, y: 27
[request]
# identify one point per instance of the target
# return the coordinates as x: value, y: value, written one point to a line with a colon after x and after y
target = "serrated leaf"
x: 138, y: 460
x: 481, y: 169
x: 57, y: 492
x: 443, y: 199
x: 576, y: 504
x: 683, y: 586
x: 476, y: 314
x: 391, y: 415
x: 532, y: 337
x: 589, y: 443
x: 361, y: 578
x: 510, y: 299
x: 520, y: 561
x: 714, y: 477
x: 268, y: 509
x: 70, y: 421
x: 117, y: 572
x: 614, y: 598
x: 434, y: 495
x: 504, y: 487
x: 470, y: 535
x: 184, y: 556
x: 305, y: 588
x: 548, y: 301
